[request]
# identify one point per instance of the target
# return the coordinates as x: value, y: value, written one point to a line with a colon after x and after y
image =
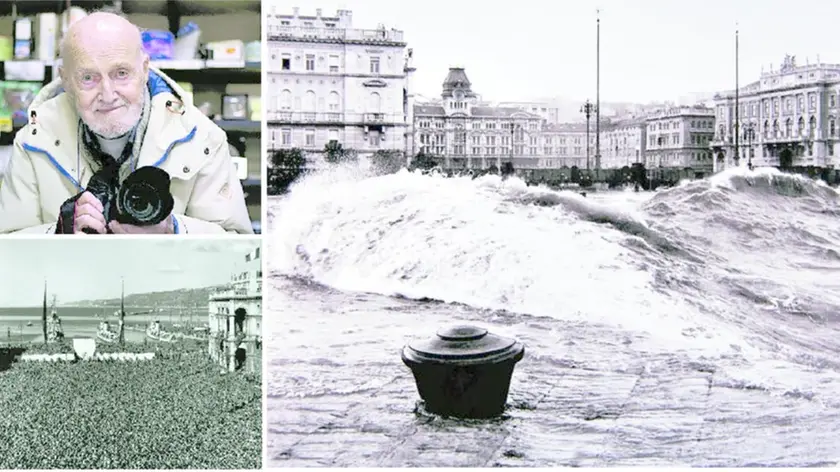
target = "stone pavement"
x: 584, y: 395
x: 664, y: 414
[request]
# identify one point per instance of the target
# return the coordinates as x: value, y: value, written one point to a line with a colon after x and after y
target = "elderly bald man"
x: 111, y: 110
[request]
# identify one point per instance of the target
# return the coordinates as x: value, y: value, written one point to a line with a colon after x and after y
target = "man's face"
x: 106, y: 84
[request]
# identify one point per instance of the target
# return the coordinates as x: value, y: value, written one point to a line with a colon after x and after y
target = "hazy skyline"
x: 651, y: 50
x: 84, y: 269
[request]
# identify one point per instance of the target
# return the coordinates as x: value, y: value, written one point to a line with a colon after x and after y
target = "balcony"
x: 373, y: 118
x: 717, y: 142
x: 320, y: 118
x: 334, y: 35
x: 304, y: 118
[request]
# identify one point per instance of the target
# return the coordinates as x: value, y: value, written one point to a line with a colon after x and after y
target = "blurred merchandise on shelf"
x: 23, y: 38
x: 255, y: 105
x: 206, y: 108
x: 187, y: 41
x: 15, y: 98
x: 7, y: 48
x: 235, y: 107
x: 71, y: 16
x: 159, y: 44
x: 241, y: 163
x: 253, y: 52
x: 231, y: 50
x: 47, y: 39
x: 28, y: 70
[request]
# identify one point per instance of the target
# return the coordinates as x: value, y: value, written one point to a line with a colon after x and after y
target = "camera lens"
x: 144, y: 198
x: 142, y: 203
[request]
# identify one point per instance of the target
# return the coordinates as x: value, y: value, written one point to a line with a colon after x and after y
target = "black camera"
x: 143, y: 199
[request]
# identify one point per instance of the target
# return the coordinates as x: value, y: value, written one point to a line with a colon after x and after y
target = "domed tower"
x: 457, y: 95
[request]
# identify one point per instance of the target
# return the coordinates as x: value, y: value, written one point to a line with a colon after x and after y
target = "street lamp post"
x: 588, y: 109
x: 512, y: 129
x: 750, y: 132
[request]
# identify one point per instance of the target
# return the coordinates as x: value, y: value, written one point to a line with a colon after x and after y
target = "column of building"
x: 230, y: 343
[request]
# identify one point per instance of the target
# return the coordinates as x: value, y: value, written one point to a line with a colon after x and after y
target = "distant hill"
x: 181, y: 297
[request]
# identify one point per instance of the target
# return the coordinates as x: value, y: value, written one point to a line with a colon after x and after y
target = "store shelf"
x: 45, y: 71
x: 211, y: 71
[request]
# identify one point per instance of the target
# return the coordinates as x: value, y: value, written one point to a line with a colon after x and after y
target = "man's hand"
x: 88, y: 214
x: 164, y: 227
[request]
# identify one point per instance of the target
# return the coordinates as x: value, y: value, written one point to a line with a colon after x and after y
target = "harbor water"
x: 698, y: 325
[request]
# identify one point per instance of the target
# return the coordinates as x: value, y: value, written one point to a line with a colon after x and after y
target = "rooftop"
x: 477, y: 112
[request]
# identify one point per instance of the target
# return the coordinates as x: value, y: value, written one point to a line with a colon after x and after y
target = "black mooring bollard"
x: 464, y: 371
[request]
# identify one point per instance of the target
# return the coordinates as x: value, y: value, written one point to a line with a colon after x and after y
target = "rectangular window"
x: 286, y: 137
x: 374, y: 65
x: 310, y: 62
x: 334, y: 135
x: 333, y: 64
x: 310, y: 138
x: 286, y: 62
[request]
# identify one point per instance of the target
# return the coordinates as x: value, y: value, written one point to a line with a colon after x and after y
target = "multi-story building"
x: 787, y: 118
x: 468, y: 135
x: 235, y: 318
x: 328, y: 81
x: 564, y: 145
x: 679, y: 137
x: 623, y: 143
x: 547, y: 111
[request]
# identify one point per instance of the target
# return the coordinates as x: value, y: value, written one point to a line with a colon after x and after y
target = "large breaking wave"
x: 744, y: 263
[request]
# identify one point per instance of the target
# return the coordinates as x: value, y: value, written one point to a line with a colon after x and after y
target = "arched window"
x: 788, y: 127
x: 812, y: 126
x: 776, y: 128
x: 375, y: 103
x: 309, y: 101
x: 766, y: 129
x: 800, y: 126
x: 334, y: 102
x: 286, y: 100
x: 832, y: 126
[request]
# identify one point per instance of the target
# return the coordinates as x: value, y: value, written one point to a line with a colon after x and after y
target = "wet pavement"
x: 584, y: 395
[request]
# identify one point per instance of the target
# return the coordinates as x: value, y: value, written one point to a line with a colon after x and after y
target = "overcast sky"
x: 651, y: 50
x: 83, y: 269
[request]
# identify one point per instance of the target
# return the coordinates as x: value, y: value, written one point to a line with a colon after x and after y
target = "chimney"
x: 295, y: 11
x: 318, y: 12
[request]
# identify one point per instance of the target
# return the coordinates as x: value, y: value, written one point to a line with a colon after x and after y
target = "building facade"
x: 787, y: 118
x: 328, y: 81
x: 235, y: 318
x: 623, y: 143
x: 547, y: 111
x: 468, y: 135
x: 679, y: 138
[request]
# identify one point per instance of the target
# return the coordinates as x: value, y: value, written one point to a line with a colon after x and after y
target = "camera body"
x: 143, y: 198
